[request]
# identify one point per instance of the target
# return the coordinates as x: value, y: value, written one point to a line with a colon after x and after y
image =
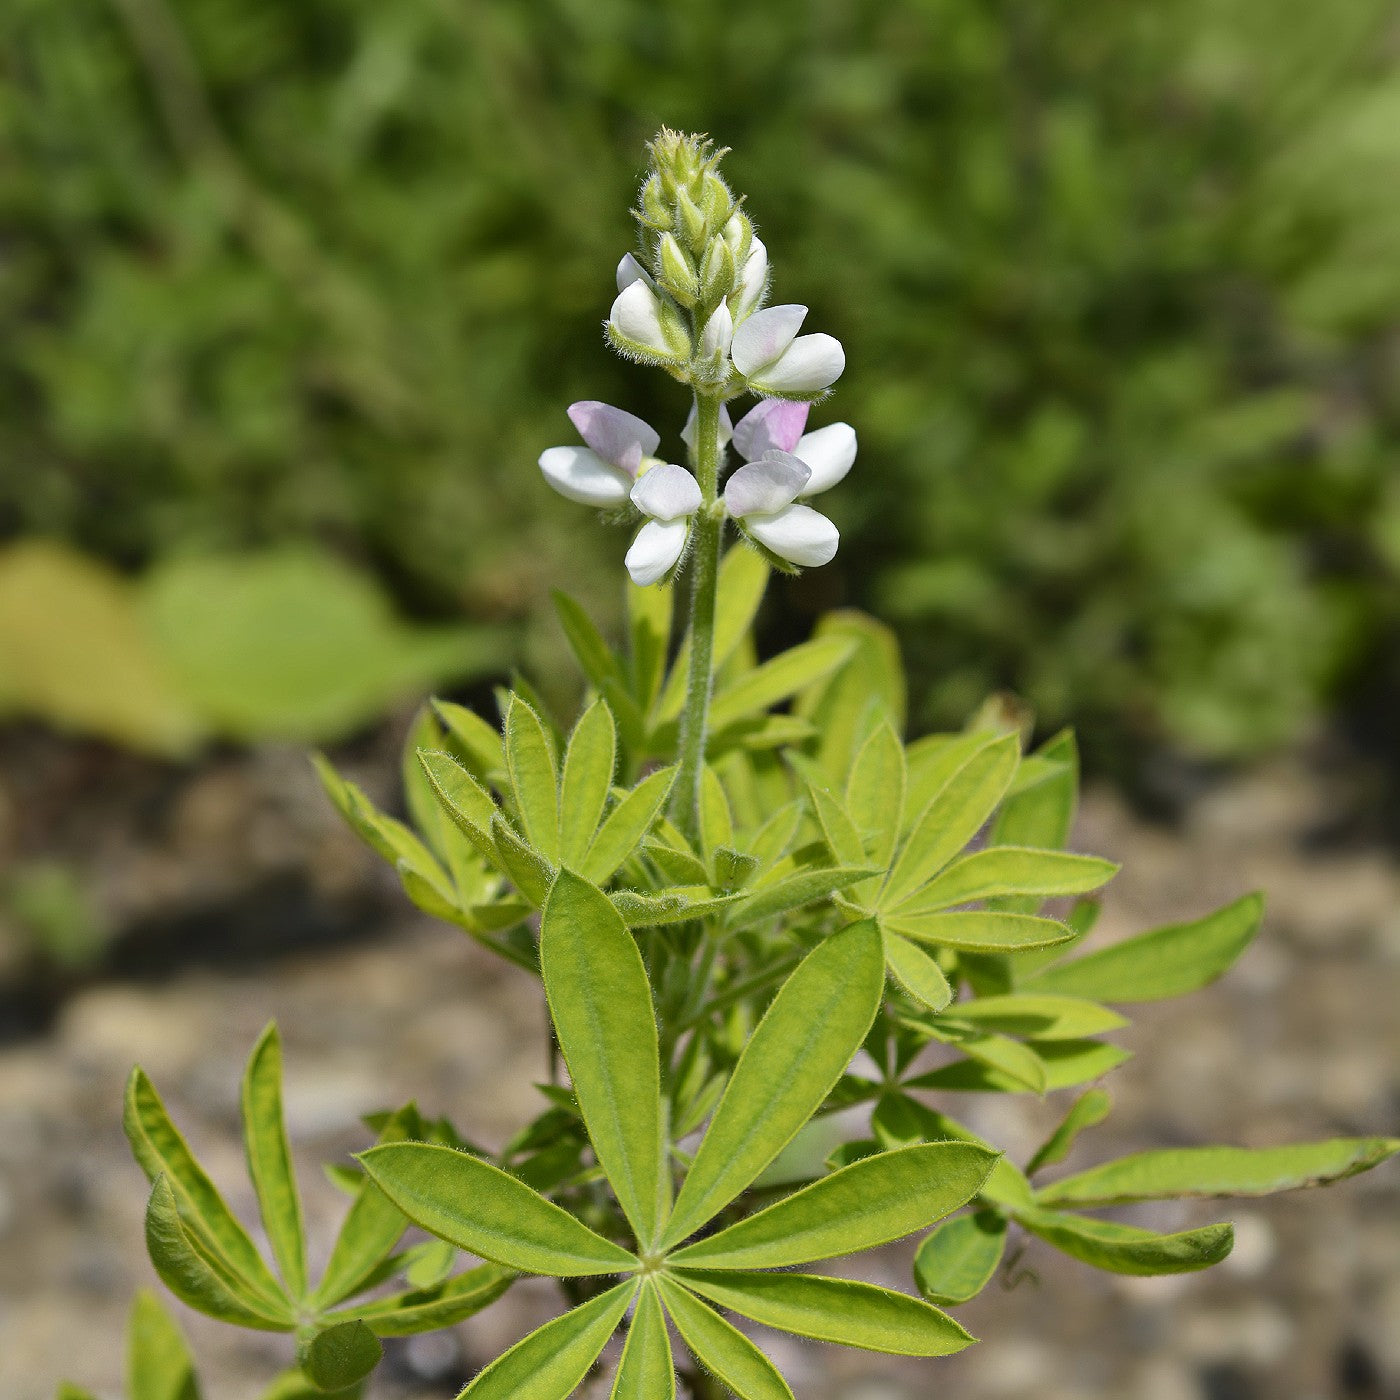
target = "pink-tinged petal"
x: 772, y: 425
x: 726, y: 428
x: 629, y: 270
x: 764, y: 336
x: 767, y: 486
x: 830, y: 452
x: 581, y: 474
x: 798, y: 534
x: 617, y: 437
x: 809, y: 365
x: 659, y: 544
x: 667, y: 492
x: 636, y: 319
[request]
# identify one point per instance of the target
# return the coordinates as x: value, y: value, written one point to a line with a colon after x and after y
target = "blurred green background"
x: 1119, y: 287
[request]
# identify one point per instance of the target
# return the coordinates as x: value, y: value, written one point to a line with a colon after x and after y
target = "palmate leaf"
x: 197, y: 1276
x: 953, y: 816
x: 779, y: 678
x: 586, y: 780
x: 806, y: 1039
x: 917, y: 973
x: 270, y: 1160
x: 487, y: 1212
x: 957, y: 1259
x: 720, y: 1347
x: 1219, y: 1171
x: 428, y: 1310
x: 1011, y: 870
x: 1090, y: 1108
x: 625, y: 825
x: 530, y: 762
x: 371, y: 1228
x: 767, y: 901
x: 647, y: 1370
x: 600, y: 1002
x: 1166, y: 962
x: 875, y: 794
x: 551, y: 1362
x: 161, y: 1151
x: 1068, y: 1063
x: 978, y: 930
x: 867, y: 1204
x: 158, y: 1361
x: 1125, y: 1249
x: 1038, y: 1017
x: 835, y: 1310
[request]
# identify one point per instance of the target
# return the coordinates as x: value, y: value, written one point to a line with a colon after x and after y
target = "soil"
x: 233, y: 895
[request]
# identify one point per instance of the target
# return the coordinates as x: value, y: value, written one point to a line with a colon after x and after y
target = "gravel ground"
x: 238, y: 877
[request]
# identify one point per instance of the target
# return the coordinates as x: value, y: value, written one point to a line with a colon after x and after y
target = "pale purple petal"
x: 667, y: 492
x: 726, y: 428
x: 617, y: 437
x: 655, y: 550
x: 629, y: 270
x: 810, y: 364
x: 798, y: 534
x: 583, y: 476
x: 767, y: 486
x: 830, y: 452
x: 764, y: 336
x: 773, y: 424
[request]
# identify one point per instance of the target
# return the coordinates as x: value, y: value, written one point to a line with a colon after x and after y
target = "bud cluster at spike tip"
x: 691, y: 300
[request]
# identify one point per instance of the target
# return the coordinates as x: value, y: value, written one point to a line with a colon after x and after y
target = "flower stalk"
x: 707, y: 534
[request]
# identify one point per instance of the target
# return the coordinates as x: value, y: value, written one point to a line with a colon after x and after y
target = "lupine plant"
x: 776, y: 939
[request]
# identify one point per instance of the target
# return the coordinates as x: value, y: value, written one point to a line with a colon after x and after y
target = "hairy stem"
x: 704, y: 575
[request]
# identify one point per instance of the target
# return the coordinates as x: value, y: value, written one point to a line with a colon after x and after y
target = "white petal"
x: 772, y: 425
x: 726, y: 428
x: 655, y: 550
x: 667, y: 492
x: 583, y: 476
x: 767, y: 486
x: 617, y: 437
x: 753, y: 279
x: 809, y: 365
x: 636, y: 317
x: 764, y: 336
x: 629, y: 270
x: 718, y: 332
x: 798, y: 534
x: 830, y: 452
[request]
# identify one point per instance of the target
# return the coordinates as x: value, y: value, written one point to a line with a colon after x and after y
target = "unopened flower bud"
x: 717, y: 272
x: 655, y: 210
x: 675, y: 271
x: 692, y: 225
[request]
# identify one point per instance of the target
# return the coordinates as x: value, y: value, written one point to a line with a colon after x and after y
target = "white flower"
x: 670, y: 496
x: 718, y: 332
x: 629, y: 270
x: 784, y: 465
x: 752, y: 281
x: 726, y: 428
x: 762, y: 497
x: 601, y: 474
x: 774, y: 359
x: 777, y: 425
x: 644, y: 324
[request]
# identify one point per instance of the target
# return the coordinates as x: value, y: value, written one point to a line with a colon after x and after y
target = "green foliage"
x: 1115, y: 288
x: 204, y: 1255
x: 843, y: 892
x: 287, y: 643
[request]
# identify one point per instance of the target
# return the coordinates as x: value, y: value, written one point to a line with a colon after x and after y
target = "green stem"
x: 704, y: 576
